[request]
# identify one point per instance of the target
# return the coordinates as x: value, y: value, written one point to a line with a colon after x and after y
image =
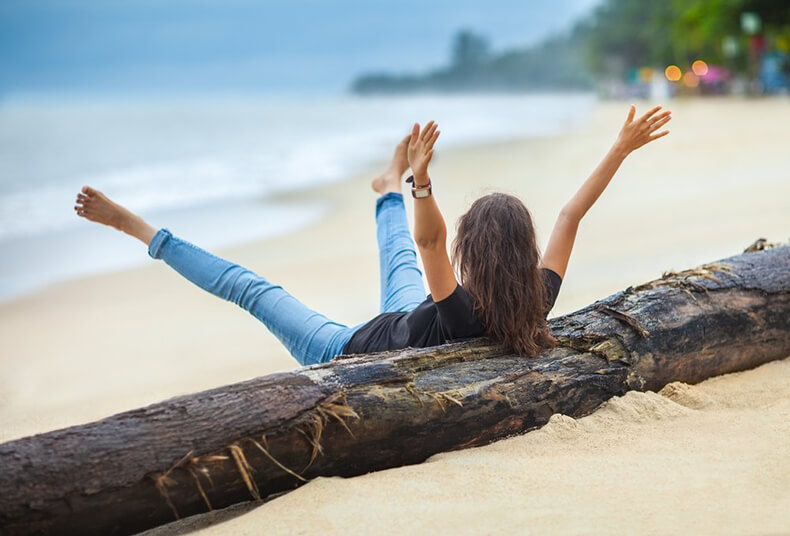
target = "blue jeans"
x: 309, y: 336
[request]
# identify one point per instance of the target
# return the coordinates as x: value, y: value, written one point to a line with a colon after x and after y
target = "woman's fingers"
x: 659, y: 135
x: 425, y: 137
x: 425, y: 130
x: 659, y: 123
x: 415, y: 133
x: 658, y: 117
x: 649, y: 113
x: 429, y: 130
x: 631, y: 113
x: 433, y: 139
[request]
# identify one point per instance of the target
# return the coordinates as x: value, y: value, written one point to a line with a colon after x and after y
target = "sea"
x: 209, y: 167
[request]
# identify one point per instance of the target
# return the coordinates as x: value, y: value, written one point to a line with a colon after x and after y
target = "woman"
x: 505, y: 293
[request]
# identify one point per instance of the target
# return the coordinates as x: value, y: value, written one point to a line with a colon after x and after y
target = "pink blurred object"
x: 715, y: 74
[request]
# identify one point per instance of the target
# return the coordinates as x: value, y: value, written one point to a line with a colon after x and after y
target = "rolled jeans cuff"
x: 158, y: 242
x: 390, y: 198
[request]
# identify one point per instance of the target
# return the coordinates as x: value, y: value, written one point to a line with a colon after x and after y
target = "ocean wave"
x: 159, y: 157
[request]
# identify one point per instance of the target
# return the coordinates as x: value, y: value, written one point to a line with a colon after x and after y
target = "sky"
x: 269, y: 46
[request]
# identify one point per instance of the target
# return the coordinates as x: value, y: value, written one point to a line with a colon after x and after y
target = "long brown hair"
x: 496, y: 255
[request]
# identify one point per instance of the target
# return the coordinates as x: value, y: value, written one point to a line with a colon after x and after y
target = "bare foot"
x: 93, y: 205
x: 390, y: 180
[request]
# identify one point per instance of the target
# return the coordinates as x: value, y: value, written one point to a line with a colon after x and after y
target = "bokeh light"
x: 645, y: 74
x: 673, y: 73
x: 700, y: 68
x: 690, y: 79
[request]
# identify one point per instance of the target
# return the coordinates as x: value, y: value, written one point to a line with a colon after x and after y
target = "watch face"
x: 422, y: 193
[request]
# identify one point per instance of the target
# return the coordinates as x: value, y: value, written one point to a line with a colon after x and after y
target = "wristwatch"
x: 422, y: 191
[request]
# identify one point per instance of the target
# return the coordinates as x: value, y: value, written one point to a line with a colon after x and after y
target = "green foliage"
x: 627, y: 34
x: 700, y: 25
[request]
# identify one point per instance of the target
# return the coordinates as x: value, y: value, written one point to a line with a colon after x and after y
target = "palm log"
x: 265, y: 436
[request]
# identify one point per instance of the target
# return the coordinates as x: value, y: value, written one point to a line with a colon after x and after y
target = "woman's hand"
x: 636, y: 133
x: 420, y: 150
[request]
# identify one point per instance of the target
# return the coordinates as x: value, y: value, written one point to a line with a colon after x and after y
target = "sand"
x: 81, y: 350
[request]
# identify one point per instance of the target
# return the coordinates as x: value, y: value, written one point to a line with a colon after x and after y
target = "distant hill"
x: 557, y: 63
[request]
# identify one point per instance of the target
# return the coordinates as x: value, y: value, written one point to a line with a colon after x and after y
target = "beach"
x: 711, y: 458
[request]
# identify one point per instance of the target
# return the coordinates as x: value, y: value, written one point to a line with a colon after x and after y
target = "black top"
x: 432, y: 323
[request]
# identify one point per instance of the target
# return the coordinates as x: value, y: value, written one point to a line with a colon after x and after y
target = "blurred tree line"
x: 627, y: 34
x: 618, y: 37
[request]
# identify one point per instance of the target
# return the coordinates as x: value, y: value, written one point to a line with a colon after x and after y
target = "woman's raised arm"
x: 430, y: 231
x: 634, y: 134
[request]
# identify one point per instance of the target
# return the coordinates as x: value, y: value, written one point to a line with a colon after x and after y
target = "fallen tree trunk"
x: 187, y: 455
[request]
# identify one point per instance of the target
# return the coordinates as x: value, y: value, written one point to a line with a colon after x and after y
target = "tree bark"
x: 189, y: 454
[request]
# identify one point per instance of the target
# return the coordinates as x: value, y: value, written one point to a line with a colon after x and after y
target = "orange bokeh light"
x: 673, y: 73
x: 700, y: 68
x: 690, y: 79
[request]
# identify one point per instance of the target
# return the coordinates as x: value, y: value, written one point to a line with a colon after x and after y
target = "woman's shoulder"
x: 458, y: 314
x: 459, y: 297
x: 553, y: 284
x: 551, y: 274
